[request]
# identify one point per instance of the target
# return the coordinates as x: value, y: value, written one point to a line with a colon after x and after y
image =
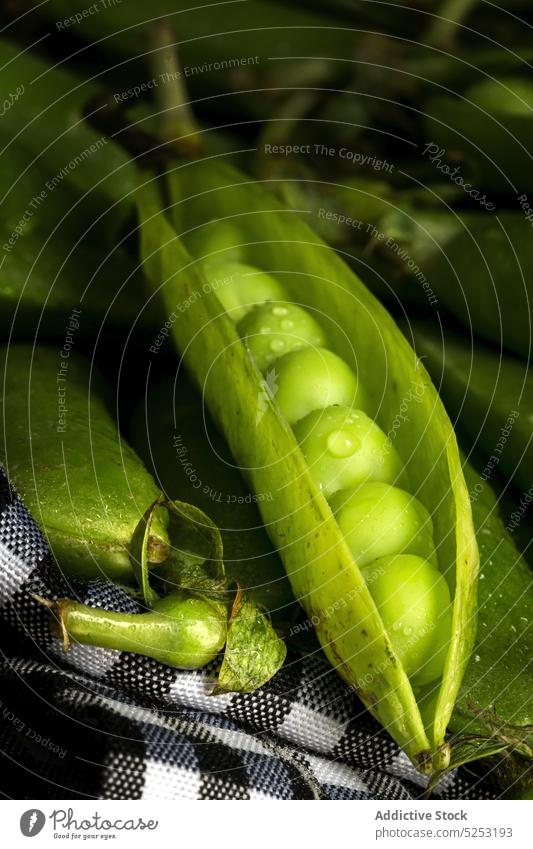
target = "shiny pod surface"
x: 59, y: 443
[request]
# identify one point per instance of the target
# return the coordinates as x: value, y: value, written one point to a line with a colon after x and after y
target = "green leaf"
x: 254, y: 652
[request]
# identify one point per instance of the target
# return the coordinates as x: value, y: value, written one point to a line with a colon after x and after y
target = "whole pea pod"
x: 326, y: 407
x: 413, y: 249
x: 481, y: 268
x: 84, y: 485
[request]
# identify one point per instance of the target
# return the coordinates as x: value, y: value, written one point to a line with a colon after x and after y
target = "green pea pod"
x: 103, y: 515
x: 187, y: 627
x: 324, y: 576
x: 478, y: 265
x: 85, y: 487
x: 253, y: 651
x: 48, y: 291
x: 491, y: 395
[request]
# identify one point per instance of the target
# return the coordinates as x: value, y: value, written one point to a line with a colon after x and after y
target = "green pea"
x: 181, y: 630
x: 240, y: 287
x: 313, y: 379
x: 274, y: 329
x: 413, y: 600
x: 216, y: 242
x: 344, y: 448
x: 378, y: 520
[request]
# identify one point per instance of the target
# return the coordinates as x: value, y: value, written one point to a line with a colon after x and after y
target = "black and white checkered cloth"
x: 96, y: 723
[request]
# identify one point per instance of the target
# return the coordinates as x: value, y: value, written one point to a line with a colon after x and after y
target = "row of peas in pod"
x: 355, y: 465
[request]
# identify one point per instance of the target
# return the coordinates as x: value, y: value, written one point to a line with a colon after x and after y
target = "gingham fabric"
x: 96, y: 723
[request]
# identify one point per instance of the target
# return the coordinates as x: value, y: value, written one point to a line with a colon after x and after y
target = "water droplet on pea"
x: 342, y: 444
x: 407, y: 631
x: 277, y: 345
x: 279, y: 310
x: 477, y: 658
x: 287, y: 324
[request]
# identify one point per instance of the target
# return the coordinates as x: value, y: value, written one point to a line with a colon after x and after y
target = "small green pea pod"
x: 84, y: 485
x: 180, y: 444
x: 324, y: 576
x: 491, y: 395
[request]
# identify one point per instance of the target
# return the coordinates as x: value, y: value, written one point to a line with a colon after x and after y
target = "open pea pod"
x: 324, y: 575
